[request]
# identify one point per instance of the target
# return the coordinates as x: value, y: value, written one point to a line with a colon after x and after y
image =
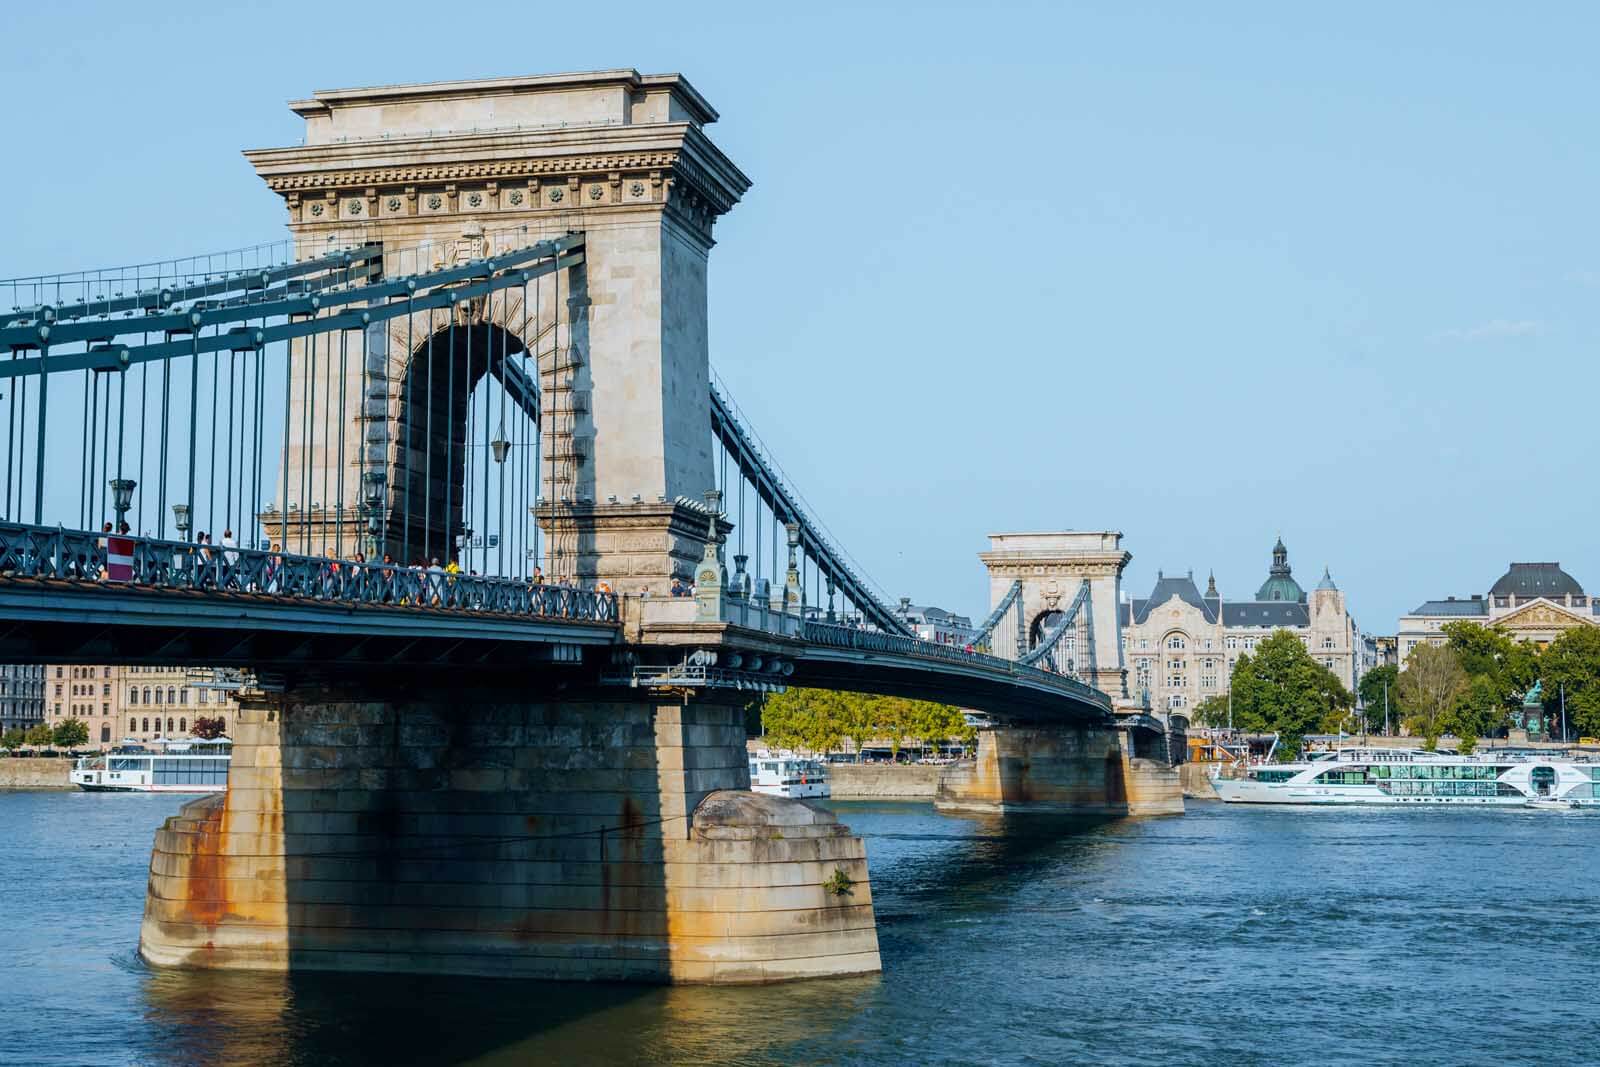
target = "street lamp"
x: 500, y: 446
x: 180, y: 518
x: 372, y: 486
x: 122, y: 499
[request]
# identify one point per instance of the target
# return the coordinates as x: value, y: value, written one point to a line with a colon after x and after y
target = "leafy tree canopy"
x: 1572, y: 661
x: 1377, y: 686
x: 1431, y: 687
x: 818, y: 720
x: 70, y: 733
x: 13, y: 738
x: 39, y: 735
x: 208, y: 729
x: 1283, y: 689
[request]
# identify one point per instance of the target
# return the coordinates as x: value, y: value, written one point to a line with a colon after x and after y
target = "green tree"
x: 13, y: 739
x: 934, y: 724
x: 1431, y: 687
x: 1212, y: 711
x: 1573, y: 661
x: 1506, y: 666
x: 1378, y: 688
x: 70, y: 733
x: 892, y: 717
x: 1283, y: 690
x: 39, y: 735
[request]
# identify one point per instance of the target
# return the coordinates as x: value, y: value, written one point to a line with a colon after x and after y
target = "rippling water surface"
x: 1228, y: 936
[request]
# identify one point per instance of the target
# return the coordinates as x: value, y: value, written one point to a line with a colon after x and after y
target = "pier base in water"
x: 572, y: 839
x: 1058, y: 770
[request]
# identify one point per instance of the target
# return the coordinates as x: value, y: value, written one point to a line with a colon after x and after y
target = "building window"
x: 183, y: 696
x: 58, y: 689
x: 1328, y: 663
x: 133, y: 696
x: 147, y: 694
x: 1175, y: 642
x: 58, y: 672
x: 105, y: 732
x: 1327, y: 642
x: 133, y: 726
x: 158, y: 694
x: 205, y: 696
x: 172, y: 695
x: 183, y: 726
x: 105, y: 709
x: 169, y: 726
x: 146, y: 726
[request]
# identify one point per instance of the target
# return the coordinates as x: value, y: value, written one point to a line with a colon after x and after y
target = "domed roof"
x: 1327, y: 580
x: 1280, y: 584
x: 1528, y: 580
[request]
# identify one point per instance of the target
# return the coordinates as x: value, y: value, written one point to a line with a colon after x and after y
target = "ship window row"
x: 1433, y: 772
x: 1453, y: 789
x: 1273, y: 776
x: 191, y: 772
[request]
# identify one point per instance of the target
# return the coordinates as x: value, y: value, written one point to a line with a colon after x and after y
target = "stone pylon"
x: 450, y: 172
x: 1051, y: 567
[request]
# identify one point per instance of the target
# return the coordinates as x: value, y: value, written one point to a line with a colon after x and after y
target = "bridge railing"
x: 835, y: 636
x: 38, y: 552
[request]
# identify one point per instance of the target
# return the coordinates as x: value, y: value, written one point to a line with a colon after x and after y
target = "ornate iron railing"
x: 848, y: 637
x: 37, y: 552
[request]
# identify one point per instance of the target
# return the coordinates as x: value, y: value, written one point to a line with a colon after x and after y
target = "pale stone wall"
x: 595, y: 839
x: 29, y: 773
x: 883, y: 781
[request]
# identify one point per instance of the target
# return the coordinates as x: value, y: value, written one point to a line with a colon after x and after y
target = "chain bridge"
x: 448, y: 473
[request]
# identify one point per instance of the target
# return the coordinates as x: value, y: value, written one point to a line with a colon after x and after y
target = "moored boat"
x: 784, y: 775
x: 1387, y: 776
x: 192, y: 766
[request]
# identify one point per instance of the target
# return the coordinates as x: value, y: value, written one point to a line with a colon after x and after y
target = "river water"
x: 1229, y: 936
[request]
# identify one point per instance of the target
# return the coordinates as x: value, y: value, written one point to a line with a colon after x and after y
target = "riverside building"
x: 1180, y: 644
x: 1531, y: 602
x: 137, y: 703
x: 21, y: 696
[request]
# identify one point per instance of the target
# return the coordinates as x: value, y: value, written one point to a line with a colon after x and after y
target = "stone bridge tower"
x: 1051, y: 567
x: 449, y: 171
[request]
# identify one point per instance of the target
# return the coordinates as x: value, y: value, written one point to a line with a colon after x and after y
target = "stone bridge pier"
x: 430, y: 830
x: 1049, y: 768
x: 1063, y: 770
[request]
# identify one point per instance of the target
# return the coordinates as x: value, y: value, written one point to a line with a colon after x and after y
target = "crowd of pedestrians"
x: 222, y: 565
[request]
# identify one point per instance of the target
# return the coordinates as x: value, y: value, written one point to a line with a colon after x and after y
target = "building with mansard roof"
x: 1530, y: 602
x: 1180, y: 644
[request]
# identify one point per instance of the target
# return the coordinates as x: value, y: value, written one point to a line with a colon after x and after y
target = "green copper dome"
x: 1280, y: 585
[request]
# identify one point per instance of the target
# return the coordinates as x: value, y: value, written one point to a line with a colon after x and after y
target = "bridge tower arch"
x: 1051, y: 568
x: 445, y: 173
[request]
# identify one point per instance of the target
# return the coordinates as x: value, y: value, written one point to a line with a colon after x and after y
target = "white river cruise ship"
x: 172, y: 767
x: 1413, y: 776
x: 781, y: 774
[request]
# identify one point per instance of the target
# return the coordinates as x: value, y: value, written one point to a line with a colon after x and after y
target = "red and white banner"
x: 119, y: 559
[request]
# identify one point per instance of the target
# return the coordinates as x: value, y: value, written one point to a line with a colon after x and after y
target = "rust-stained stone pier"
x: 482, y: 834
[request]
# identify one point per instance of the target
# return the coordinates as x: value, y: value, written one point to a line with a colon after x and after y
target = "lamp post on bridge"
x: 180, y: 519
x: 122, y: 499
x: 372, y: 485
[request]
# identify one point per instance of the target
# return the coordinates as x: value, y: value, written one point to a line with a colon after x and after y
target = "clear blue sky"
x: 1201, y: 273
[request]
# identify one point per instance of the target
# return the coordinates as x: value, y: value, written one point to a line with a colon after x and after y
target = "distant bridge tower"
x: 1051, y: 567
x: 445, y: 173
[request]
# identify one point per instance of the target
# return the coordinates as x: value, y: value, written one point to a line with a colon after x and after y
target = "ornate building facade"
x: 120, y: 704
x: 1531, y: 602
x: 1181, y: 644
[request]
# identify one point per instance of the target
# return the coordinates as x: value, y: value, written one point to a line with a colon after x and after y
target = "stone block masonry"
x: 1056, y: 770
x: 587, y: 838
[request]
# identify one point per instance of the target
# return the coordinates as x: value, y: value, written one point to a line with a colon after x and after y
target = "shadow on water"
x: 219, y: 1017
x: 925, y: 862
